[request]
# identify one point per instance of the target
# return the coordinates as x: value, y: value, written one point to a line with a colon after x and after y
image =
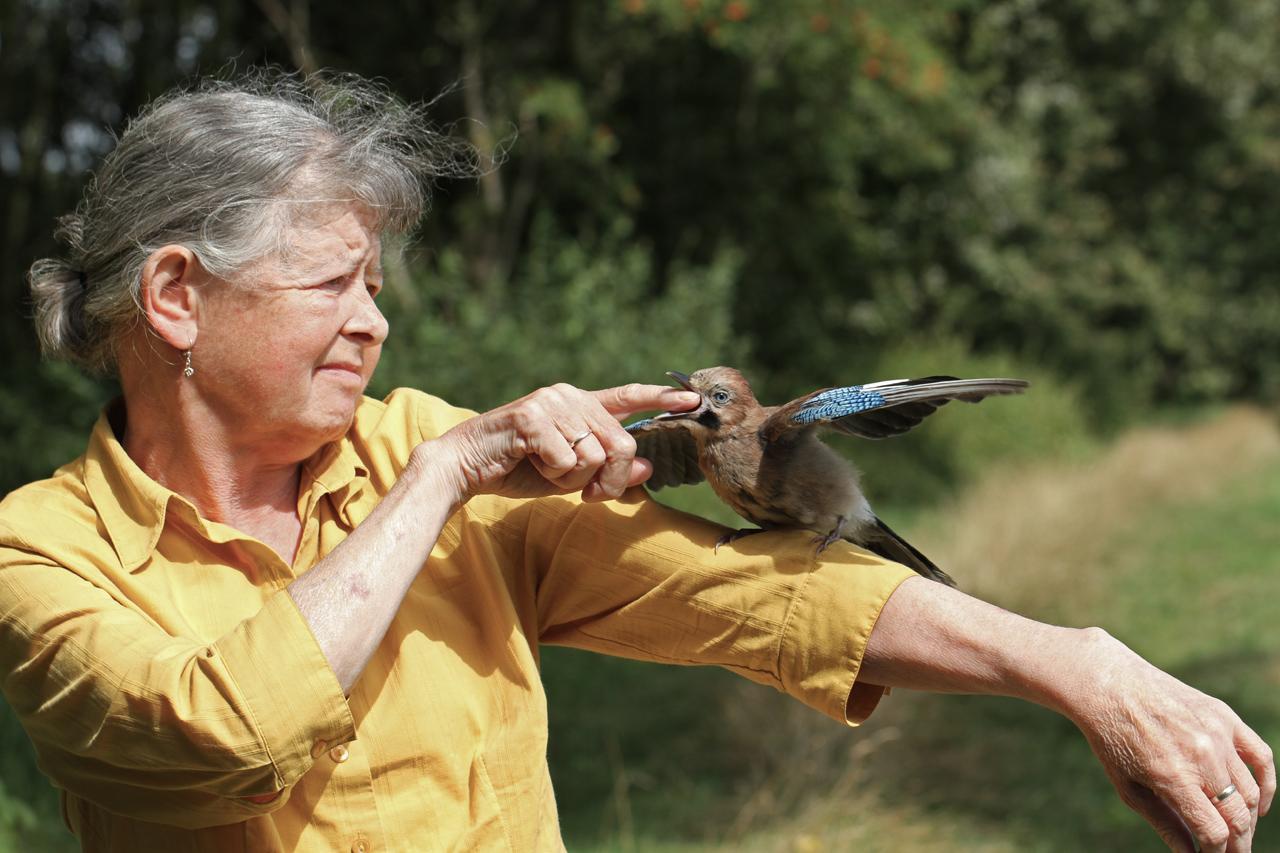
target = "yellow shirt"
x: 165, y: 676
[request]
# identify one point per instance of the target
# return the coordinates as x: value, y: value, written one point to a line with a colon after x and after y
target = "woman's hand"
x: 1170, y: 750
x: 556, y: 440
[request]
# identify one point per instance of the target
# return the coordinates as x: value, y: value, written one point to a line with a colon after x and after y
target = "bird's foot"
x: 734, y: 535
x: 824, y: 542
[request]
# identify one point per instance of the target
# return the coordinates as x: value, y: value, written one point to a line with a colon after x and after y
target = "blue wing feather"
x: 837, y: 403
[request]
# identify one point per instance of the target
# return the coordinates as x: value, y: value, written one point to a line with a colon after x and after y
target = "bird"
x: 770, y: 466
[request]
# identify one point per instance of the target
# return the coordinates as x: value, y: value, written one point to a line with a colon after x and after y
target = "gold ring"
x: 576, y: 440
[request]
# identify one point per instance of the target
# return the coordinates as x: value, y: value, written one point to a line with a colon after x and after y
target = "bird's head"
x: 726, y: 397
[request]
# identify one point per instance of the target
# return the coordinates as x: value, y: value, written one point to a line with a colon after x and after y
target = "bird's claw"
x: 734, y: 535
x: 824, y: 542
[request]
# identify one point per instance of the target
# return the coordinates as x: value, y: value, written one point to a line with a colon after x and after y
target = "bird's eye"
x: 720, y: 397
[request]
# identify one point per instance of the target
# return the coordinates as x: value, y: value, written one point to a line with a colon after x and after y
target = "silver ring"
x: 577, y: 439
x: 1225, y: 792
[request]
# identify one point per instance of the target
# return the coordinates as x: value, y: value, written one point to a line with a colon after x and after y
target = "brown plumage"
x: 769, y: 465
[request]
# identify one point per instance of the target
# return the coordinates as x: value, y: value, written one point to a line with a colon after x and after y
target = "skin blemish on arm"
x: 357, y: 588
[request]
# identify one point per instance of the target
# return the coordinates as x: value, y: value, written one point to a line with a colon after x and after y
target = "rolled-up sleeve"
x: 154, y: 726
x: 635, y: 579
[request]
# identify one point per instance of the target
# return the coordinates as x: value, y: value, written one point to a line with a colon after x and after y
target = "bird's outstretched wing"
x: 881, y: 409
x: 671, y: 448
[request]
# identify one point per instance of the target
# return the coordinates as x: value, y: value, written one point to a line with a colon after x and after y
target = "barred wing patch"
x: 670, y: 446
x: 835, y: 403
x: 882, y: 409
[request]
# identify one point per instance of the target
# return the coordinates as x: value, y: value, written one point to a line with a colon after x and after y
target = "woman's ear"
x: 170, y: 294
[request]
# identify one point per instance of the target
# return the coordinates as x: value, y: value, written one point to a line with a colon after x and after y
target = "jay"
x: 769, y: 465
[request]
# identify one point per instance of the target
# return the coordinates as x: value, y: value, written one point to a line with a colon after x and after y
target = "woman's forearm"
x: 932, y: 637
x: 350, y: 597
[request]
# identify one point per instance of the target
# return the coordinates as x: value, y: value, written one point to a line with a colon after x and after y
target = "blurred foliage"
x: 822, y: 192
x: 1084, y: 187
x: 30, y: 815
x: 582, y: 311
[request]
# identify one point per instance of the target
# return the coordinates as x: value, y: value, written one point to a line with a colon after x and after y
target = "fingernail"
x: 684, y: 398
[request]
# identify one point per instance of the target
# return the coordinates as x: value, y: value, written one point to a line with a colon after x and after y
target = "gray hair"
x: 223, y: 169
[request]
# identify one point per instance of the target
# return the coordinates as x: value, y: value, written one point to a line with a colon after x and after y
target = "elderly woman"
x: 265, y: 612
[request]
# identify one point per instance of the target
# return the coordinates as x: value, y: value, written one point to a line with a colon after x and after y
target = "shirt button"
x: 318, y: 748
x: 339, y: 753
x: 360, y: 846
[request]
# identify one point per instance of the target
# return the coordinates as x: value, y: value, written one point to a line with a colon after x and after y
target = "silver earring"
x: 188, y: 370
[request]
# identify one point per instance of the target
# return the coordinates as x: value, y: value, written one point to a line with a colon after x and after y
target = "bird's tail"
x: 879, y: 538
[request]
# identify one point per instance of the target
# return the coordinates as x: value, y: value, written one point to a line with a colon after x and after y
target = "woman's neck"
x: 227, y: 479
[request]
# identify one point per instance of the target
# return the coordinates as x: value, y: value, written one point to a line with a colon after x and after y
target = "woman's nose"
x: 366, y: 320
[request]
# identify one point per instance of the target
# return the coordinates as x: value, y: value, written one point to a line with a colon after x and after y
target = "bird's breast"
x: 734, y: 467
x: 798, y: 484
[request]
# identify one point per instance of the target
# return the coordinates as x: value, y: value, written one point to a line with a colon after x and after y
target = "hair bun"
x: 58, y: 293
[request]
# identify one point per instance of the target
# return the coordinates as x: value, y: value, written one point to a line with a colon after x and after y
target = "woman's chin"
x: 329, y: 420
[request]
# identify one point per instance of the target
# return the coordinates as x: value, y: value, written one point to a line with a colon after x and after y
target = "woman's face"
x: 284, y: 353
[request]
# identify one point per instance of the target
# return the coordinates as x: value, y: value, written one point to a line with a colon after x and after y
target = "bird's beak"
x: 681, y: 378
x: 684, y: 381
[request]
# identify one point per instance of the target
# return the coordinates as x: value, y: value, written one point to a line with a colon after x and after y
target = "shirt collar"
x: 337, y: 470
x: 133, y: 506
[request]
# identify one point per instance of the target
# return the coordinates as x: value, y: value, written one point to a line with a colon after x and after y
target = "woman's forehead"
x: 331, y: 234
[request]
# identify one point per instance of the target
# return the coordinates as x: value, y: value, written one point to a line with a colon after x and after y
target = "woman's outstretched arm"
x: 1168, y: 748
